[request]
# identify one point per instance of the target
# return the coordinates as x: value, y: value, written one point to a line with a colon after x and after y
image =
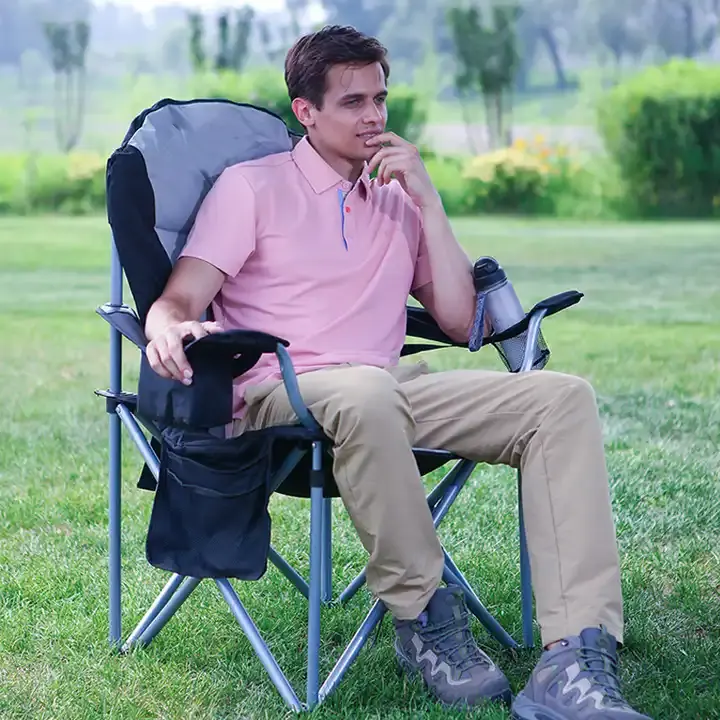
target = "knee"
x: 568, y: 390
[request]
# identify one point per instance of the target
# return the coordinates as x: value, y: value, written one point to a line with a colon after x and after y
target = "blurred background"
x: 562, y: 107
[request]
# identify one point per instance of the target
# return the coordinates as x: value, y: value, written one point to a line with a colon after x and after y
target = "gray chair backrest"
x: 187, y: 145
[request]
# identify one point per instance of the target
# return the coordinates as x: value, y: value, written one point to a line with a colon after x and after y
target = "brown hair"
x: 310, y: 58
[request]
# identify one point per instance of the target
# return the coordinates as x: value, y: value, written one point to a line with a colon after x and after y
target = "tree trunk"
x: 548, y: 38
x: 690, y: 48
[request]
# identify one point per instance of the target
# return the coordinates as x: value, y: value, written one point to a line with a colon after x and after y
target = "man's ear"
x: 303, y: 110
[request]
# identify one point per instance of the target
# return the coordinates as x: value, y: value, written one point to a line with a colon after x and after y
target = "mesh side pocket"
x: 512, y: 352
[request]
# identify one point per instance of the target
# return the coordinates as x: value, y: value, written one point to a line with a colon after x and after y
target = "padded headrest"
x: 158, y: 178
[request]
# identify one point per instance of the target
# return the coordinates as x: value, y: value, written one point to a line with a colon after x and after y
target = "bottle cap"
x: 487, y: 272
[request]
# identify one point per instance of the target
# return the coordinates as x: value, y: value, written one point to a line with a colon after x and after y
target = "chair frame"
x: 318, y: 588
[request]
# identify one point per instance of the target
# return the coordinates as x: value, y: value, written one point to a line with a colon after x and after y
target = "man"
x: 304, y: 245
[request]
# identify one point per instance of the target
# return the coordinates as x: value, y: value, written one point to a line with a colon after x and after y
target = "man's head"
x: 337, y: 81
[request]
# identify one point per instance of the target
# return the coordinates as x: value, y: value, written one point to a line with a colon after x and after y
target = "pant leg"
x: 547, y: 425
x: 367, y: 415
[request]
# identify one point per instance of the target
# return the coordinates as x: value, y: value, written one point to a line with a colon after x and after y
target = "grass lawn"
x: 647, y: 336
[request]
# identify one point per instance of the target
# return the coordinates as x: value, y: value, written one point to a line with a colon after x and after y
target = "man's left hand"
x: 400, y: 159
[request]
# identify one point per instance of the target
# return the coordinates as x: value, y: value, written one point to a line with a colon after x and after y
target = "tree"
x: 685, y: 27
x: 538, y: 26
x: 68, y: 45
x: 618, y: 29
x: 487, y: 61
x: 233, y: 40
x: 196, y: 22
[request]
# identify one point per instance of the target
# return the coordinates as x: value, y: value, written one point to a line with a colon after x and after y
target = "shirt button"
x: 346, y: 186
x: 347, y: 209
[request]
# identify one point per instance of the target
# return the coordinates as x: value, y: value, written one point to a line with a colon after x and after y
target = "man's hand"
x: 401, y: 159
x: 166, y: 355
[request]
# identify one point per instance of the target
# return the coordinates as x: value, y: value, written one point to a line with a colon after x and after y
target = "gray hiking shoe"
x: 576, y: 680
x: 440, y: 647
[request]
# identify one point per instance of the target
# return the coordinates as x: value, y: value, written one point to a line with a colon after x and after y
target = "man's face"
x: 353, y: 110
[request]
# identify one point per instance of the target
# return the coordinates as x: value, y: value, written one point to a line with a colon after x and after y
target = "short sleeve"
x: 224, y: 230
x: 423, y: 275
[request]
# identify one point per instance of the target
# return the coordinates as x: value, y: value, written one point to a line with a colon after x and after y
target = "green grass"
x: 647, y: 335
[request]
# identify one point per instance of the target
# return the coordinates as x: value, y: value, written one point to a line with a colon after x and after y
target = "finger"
x: 165, y: 359
x: 176, y: 360
x: 213, y: 327
x: 389, y: 138
x: 154, y: 361
x: 383, y: 154
x: 388, y: 167
x: 195, y: 329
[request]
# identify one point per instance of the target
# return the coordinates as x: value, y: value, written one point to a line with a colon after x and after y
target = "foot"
x: 576, y: 680
x: 440, y: 647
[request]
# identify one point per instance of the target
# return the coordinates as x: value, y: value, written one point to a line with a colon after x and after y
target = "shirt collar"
x: 320, y: 175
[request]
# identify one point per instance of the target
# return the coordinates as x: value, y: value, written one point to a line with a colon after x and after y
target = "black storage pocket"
x: 210, y: 515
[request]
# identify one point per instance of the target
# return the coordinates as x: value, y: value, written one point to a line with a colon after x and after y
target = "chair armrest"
x: 421, y: 324
x: 549, y: 306
x: 242, y: 347
x: 246, y: 347
x: 125, y: 320
x: 216, y: 359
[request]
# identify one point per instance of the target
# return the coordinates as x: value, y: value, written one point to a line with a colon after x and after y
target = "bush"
x: 662, y: 128
x: 407, y: 114
x: 72, y: 184
x: 447, y: 176
x: 524, y: 178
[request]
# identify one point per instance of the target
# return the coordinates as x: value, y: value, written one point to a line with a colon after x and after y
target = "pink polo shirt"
x: 311, y: 259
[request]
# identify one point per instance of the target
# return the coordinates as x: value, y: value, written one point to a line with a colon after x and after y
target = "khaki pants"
x: 544, y: 423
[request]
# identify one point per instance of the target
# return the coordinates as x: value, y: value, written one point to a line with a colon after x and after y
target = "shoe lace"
x: 462, y: 651
x: 605, y: 674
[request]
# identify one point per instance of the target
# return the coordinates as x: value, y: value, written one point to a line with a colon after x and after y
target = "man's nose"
x: 372, y: 115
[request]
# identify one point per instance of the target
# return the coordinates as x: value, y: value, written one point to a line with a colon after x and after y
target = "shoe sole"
x: 524, y: 709
x: 503, y: 698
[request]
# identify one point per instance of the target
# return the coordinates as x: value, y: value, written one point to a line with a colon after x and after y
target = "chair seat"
x: 297, y: 483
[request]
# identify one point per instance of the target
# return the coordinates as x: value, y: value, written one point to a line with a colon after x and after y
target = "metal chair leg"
x: 525, y: 576
x: 158, y: 605
x: 326, y: 590
x: 178, y: 598
x: 316, y: 547
x: 115, y: 449
x: 258, y: 645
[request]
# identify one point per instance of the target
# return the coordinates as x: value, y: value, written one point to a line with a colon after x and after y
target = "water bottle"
x: 499, y: 301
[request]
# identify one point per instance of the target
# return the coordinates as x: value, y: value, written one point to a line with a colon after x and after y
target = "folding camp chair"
x: 156, y: 181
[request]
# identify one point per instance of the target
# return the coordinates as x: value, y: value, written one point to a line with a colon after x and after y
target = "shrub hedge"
x: 662, y: 128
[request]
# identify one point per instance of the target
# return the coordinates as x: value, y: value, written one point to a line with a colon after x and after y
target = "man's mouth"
x: 368, y: 135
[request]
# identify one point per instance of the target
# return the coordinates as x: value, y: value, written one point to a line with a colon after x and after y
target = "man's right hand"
x: 166, y: 354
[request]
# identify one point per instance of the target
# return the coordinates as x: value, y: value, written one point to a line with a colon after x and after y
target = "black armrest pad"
x: 249, y: 345
x: 551, y: 305
x: 125, y: 320
x: 420, y: 324
x: 216, y: 359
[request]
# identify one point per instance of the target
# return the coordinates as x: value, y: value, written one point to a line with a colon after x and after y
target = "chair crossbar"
x: 172, y: 605
x: 277, y: 676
